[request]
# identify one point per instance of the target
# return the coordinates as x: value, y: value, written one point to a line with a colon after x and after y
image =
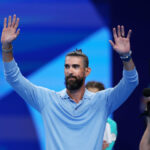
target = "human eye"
x: 76, y: 66
x: 66, y: 66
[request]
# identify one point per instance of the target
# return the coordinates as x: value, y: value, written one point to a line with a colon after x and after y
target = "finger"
x: 5, y: 22
x: 9, y: 21
x: 129, y: 34
x: 14, y: 20
x: 112, y: 43
x: 114, y: 33
x: 17, y: 23
x: 122, y: 31
x: 17, y: 33
x: 118, y: 31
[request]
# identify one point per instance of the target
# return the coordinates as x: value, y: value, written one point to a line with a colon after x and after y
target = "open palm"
x: 10, y: 31
x: 121, y: 43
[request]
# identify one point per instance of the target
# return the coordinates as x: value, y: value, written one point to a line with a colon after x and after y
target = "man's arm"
x: 31, y: 93
x: 120, y: 93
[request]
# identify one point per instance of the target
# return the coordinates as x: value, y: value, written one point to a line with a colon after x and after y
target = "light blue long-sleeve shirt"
x: 69, y: 125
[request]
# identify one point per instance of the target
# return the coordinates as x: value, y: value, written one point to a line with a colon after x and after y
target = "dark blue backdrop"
x: 134, y: 15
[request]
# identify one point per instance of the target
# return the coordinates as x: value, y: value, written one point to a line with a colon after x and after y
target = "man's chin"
x: 72, y: 84
x: 73, y: 87
x: 71, y: 90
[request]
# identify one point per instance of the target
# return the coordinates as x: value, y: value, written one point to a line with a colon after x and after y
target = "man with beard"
x: 74, y: 119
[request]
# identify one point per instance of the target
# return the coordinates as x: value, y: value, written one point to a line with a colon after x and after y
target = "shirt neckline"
x: 64, y: 95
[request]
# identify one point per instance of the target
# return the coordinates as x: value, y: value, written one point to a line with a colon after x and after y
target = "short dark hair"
x: 94, y: 84
x: 79, y: 53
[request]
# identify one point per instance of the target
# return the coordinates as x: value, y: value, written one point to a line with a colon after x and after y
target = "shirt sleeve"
x: 32, y: 94
x: 119, y: 94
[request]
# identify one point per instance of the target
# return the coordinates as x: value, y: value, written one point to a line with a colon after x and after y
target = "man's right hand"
x: 10, y: 31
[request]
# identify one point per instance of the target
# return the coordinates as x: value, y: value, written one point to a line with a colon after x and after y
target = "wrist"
x: 126, y: 57
x: 6, y: 45
x: 6, y: 48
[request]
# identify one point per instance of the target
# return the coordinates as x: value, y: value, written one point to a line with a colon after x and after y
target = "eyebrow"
x: 72, y: 65
x: 75, y: 65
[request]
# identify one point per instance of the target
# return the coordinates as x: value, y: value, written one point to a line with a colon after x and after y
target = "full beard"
x: 74, y: 84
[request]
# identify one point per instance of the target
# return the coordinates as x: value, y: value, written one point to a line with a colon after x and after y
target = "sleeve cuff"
x: 8, y: 66
x: 131, y: 76
x: 129, y: 72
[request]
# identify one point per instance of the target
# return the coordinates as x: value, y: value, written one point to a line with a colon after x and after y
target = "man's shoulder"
x: 45, y: 90
x: 102, y: 92
x: 89, y: 93
x: 62, y: 93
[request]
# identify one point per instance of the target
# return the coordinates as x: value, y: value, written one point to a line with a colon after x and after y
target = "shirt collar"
x: 63, y: 94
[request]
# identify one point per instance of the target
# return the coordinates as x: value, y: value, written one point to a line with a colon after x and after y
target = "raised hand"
x: 10, y: 31
x: 121, y: 43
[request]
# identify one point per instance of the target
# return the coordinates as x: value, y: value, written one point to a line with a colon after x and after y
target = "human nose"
x: 70, y: 70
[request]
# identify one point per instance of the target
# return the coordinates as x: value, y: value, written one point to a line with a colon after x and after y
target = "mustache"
x: 70, y: 76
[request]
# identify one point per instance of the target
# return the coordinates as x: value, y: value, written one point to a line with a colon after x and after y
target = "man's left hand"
x: 121, y: 42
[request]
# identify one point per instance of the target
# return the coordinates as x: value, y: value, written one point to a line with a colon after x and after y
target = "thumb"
x: 112, y: 43
x: 17, y: 33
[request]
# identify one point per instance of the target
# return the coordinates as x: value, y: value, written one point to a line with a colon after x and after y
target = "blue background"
x: 50, y: 29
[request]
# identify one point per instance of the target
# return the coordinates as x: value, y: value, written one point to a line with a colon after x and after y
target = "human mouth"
x: 71, y: 78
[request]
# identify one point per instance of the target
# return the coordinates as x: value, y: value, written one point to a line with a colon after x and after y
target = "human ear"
x: 87, y: 71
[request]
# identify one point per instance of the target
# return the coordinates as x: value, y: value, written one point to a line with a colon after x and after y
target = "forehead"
x: 93, y: 89
x: 74, y: 60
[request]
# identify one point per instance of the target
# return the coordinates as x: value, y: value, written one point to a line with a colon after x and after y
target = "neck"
x: 76, y: 95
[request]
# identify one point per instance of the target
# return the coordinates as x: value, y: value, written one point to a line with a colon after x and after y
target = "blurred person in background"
x: 145, y: 141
